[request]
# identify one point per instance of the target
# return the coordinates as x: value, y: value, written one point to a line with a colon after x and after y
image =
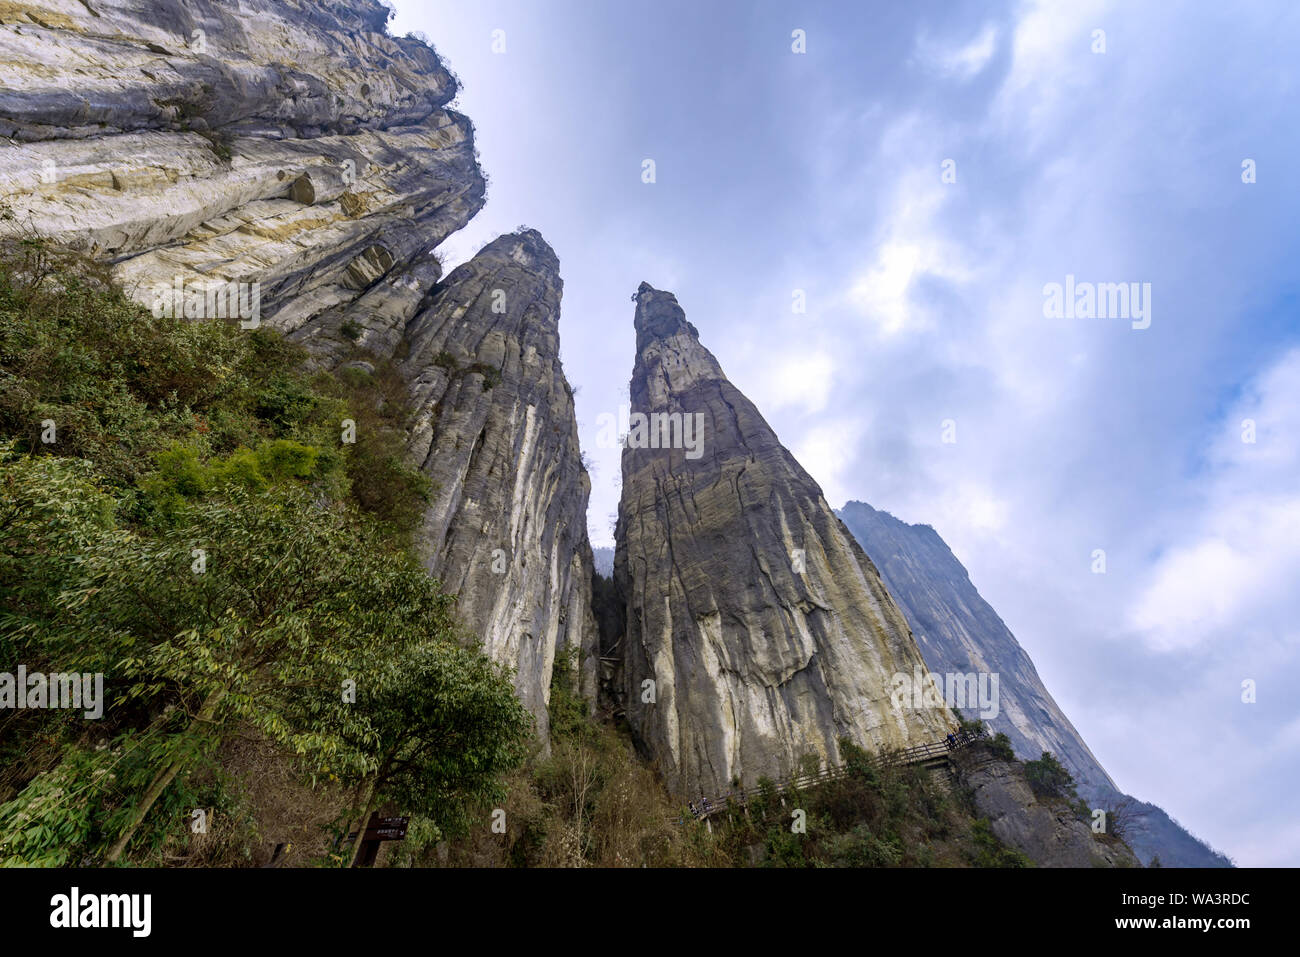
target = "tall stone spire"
x: 757, y: 630
x: 493, y: 425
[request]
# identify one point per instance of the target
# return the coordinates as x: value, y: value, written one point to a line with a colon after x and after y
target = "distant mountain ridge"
x: 959, y: 632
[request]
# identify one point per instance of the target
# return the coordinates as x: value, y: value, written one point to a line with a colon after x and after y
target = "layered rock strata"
x: 290, y: 144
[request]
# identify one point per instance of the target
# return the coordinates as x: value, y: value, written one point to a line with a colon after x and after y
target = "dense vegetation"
x: 221, y: 534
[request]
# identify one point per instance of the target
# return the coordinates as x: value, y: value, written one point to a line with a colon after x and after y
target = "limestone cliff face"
x: 765, y: 628
x: 494, y: 427
x: 959, y: 632
x: 288, y: 143
x: 294, y: 148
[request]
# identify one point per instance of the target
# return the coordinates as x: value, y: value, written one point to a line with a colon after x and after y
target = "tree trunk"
x: 365, y: 820
x: 163, y: 778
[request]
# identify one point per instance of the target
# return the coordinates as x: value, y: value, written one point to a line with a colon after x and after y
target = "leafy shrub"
x: 566, y: 711
x: 53, y: 822
x: 861, y: 848
x: 1001, y: 747
x: 990, y: 852
x: 491, y: 374
x: 1049, y: 778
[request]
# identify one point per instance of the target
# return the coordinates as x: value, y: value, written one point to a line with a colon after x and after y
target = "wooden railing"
x: 917, y: 754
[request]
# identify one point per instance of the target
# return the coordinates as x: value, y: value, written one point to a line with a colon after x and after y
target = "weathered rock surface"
x: 493, y: 425
x: 294, y: 146
x: 288, y: 143
x: 1048, y: 832
x: 759, y: 656
x: 959, y: 632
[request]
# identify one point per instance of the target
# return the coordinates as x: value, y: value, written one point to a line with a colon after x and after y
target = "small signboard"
x: 386, y: 829
x: 379, y: 829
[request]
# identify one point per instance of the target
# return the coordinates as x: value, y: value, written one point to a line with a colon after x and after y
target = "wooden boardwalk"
x: 932, y: 753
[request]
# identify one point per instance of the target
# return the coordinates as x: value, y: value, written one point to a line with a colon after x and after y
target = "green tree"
x: 1001, y: 747
x: 199, y: 534
x: 438, y: 724
x: 291, y: 594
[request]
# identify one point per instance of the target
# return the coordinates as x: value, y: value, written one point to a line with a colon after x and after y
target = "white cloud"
x: 970, y: 514
x: 1051, y: 58
x: 801, y: 380
x: 1208, y: 588
x: 963, y: 62
x: 911, y: 246
x: 1240, y: 564
x: 881, y: 293
x: 826, y: 452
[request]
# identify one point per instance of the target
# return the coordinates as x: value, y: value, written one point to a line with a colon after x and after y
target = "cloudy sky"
x: 824, y: 172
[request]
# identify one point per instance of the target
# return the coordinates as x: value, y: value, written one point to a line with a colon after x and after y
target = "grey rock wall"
x: 1048, y: 832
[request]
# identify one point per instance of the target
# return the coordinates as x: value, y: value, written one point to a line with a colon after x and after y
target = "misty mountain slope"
x: 604, y: 560
x: 959, y: 632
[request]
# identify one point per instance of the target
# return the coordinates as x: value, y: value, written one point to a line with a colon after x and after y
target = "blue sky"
x: 823, y: 172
